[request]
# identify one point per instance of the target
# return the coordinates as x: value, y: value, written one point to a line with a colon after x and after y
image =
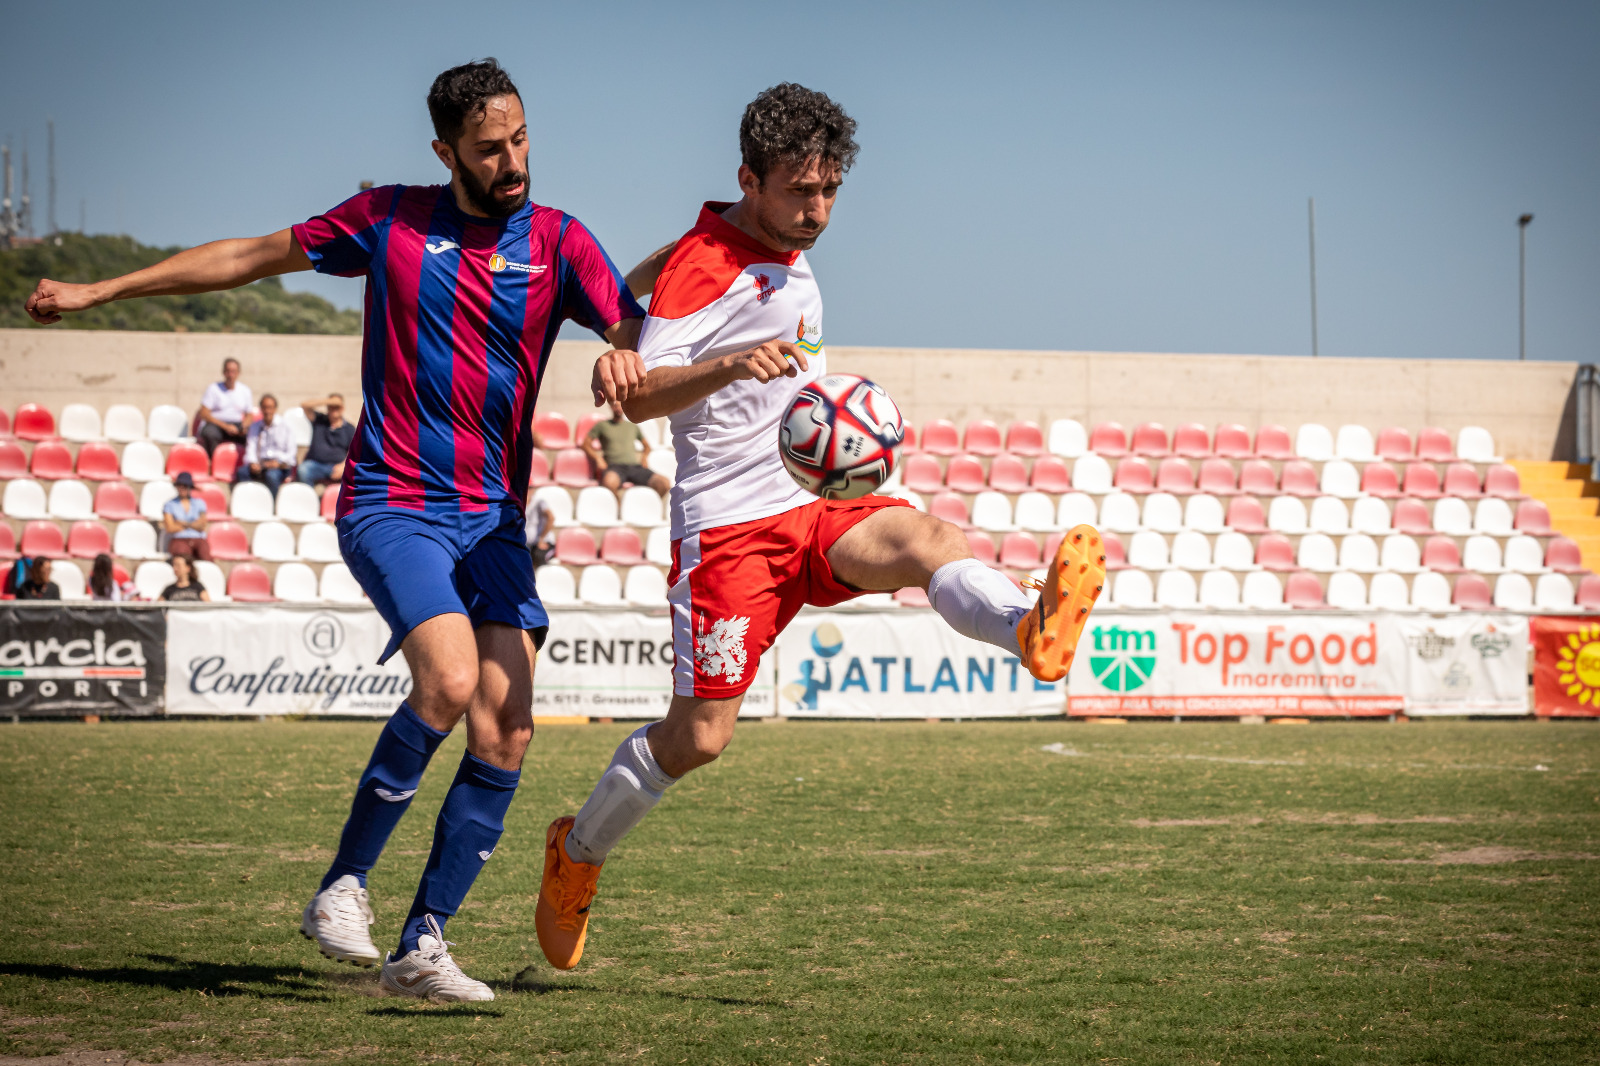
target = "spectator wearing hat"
x: 184, y: 519
x: 330, y: 441
x: 269, y: 450
x: 225, y: 409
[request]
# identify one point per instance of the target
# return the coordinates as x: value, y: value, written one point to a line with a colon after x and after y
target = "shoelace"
x: 351, y: 911
x: 571, y: 897
x: 441, y: 957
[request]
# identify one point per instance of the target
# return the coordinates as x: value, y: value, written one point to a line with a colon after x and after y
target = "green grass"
x: 840, y: 893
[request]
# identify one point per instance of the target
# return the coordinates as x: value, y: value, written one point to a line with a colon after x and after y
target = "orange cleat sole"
x: 1049, y: 634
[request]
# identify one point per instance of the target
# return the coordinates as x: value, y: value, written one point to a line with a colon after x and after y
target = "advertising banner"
x: 1566, y: 667
x: 900, y: 664
x: 1192, y: 663
x: 1465, y: 663
x: 81, y: 660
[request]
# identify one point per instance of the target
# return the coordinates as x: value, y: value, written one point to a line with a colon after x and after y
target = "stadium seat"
x: 1162, y: 512
x: 1354, y: 444
x: 51, y: 461
x: 1589, y: 592
x: 1076, y: 509
x: 1274, y: 552
x: 1175, y: 476
x: 8, y: 542
x: 559, y: 500
x: 553, y: 430
x: 992, y: 511
x: 982, y: 546
x: 1514, y: 592
x: 252, y: 502
x: 1532, y: 517
x: 965, y: 474
x: 79, y: 422
x: 596, y: 507
x: 1007, y: 473
x: 1394, y: 445
x: 555, y: 585
x: 248, y: 583
x: 646, y: 586
x: 1329, y: 515
x: 7, y: 584
x: 1474, y: 444
x: 1176, y: 589
x: 124, y: 423
x: 1116, y: 554
x: 143, y: 461
x: 98, y: 462
x: 1314, y: 443
x: 1134, y: 475
x: 1472, y: 593
x: 168, y: 425
x: 621, y: 547
x: 114, y: 501
x: 71, y: 501
x: 580, y: 432
x: 1370, y: 515
x: 1411, y: 516
x: 1020, y: 551
x: 13, y: 461
x: 575, y: 547
x: 912, y: 596
x: 1524, y: 554
x: 1233, y: 551
x: 1401, y: 554
x: 641, y: 507
x: 44, y: 538
x: 1340, y: 478
x: 939, y: 437
x: 1147, y: 550
x: 1452, y: 516
x: 1388, y: 592
x: 1461, y: 479
x: 1430, y: 591
x: 1218, y: 478
x: 1191, y: 441
x: 1203, y: 512
x: 1299, y: 478
x: 1244, y: 515
x: 327, y: 504
x: 1036, y: 512
x: 1422, y: 481
x: 923, y: 473
x: 296, y: 583
x: 663, y: 461
x: 1304, y: 590
x: 1132, y: 588
x: 1150, y: 438
x: 153, y: 576
x: 273, y: 542
x: 1359, y: 552
x: 1553, y: 593
x: 951, y: 508
x: 1492, y: 516
x: 1482, y: 554
x: 135, y: 539
x: 1287, y: 514
x: 1119, y: 513
x: 339, y: 585
x: 1347, y: 592
x: 1272, y: 442
x: 212, y: 578
x: 1258, y: 478
x: 1024, y: 438
x: 572, y: 468
x: 1219, y: 589
x: 1317, y: 552
x: 24, y: 499
x: 1232, y: 441
x: 1262, y: 591
x: 1050, y: 475
x: 1067, y: 438
x: 1380, y: 479
x: 298, y: 502
x: 294, y: 416
x: 33, y: 422
x: 658, y: 546
x: 982, y: 437
x: 1109, y: 439
x: 70, y: 581
x: 225, y: 461
x: 1191, y: 551
x: 1441, y: 554
x: 1091, y: 473
x: 1563, y: 555
x: 319, y: 543
x: 1503, y: 481
x: 538, y: 469
x: 1433, y: 446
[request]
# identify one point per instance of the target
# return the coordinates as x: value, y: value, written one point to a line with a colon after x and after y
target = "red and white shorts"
x: 734, y: 588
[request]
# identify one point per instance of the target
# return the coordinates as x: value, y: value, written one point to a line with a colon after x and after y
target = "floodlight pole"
x: 1311, y: 220
x: 1522, y: 286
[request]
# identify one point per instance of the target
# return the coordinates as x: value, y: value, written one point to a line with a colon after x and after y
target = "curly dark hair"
x: 791, y: 124
x: 461, y: 92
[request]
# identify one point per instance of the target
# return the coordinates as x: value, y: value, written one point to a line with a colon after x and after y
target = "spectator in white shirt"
x: 225, y: 409
x: 269, y: 450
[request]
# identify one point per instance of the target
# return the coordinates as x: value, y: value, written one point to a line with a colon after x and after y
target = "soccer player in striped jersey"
x: 467, y: 286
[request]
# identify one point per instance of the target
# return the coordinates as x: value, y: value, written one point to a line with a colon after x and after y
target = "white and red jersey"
x: 723, y: 291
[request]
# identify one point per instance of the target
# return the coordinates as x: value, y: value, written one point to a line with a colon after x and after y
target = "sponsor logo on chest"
x: 498, y: 262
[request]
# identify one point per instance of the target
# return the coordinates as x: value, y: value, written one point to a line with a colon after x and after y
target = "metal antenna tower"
x: 25, y: 214
x: 50, y: 127
x: 8, y: 217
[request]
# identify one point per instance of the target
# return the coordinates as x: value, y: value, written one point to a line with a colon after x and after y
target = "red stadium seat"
x: 1395, y: 445
x: 538, y: 470
x: 1232, y: 441
x: 1050, y: 474
x: 1303, y: 590
x: 965, y: 474
x: 87, y: 539
x: 5, y: 424
x: 248, y: 583
x: 7, y: 589
x: 1434, y: 446
x: 1300, y: 479
x: 1019, y: 551
x: 580, y: 433
x: 923, y: 474
x: 8, y: 542
x: 1411, y: 517
x: 98, y: 462
x: 1007, y: 473
x: 951, y: 508
x: 1109, y: 439
x: 1379, y: 479
x: 553, y: 430
x: 1532, y: 517
x: 1588, y: 591
x: 225, y: 461
x: 216, y: 502
x: 228, y: 540
x: 1272, y: 442
x: 1191, y: 441
x: 621, y: 547
x: 912, y: 596
x: 1503, y: 481
x: 189, y: 459
x: 982, y: 547
x: 939, y: 437
x: 908, y: 444
x: 1274, y: 552
x: 1245, y: 515
x: 1564, y: 555
x: 572, y: 468
x: 43, y: 538
x: 1441, y: 553
x: 1116, y: 554
x: 1175, y: 476
x: 1150, y: 438
x: 13, y: 461
x: 981, y: 438
x: 52, y: 461
x: 1461, y: 479
x: 1052, y: 541
x: 1218, y: 478
x: 1134, y: 475
x: 1024, y: 438
x: 120, y: 574
x: 330, y: 501
x: 34, y: 422
x: 115, y: 501
x: 1422, y: 481
x: 1472, y: 593
x: 575, y: 547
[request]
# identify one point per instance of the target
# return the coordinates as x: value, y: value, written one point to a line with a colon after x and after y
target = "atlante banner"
x: 1566, y: 667
x: 57, y: 659
x: 1465, y: 664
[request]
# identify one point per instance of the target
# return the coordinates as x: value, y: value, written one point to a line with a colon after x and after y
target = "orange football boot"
x: 1048, y: 634
x: 562, y: 917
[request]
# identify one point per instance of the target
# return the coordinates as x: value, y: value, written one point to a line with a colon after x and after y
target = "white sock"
x: 631, y: 785
x: 979, y: 602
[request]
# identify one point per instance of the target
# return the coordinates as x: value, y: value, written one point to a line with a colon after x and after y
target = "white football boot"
x: 428, y: 972
x: 338, y: 918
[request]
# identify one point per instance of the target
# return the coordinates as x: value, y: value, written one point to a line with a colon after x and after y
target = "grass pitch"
x: 839, y: 893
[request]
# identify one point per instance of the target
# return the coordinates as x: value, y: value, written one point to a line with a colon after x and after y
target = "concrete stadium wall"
x: 1522, y: 404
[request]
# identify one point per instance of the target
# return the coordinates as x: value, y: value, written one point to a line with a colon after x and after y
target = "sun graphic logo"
x: 1580, y: 665
x: 1123, y: 659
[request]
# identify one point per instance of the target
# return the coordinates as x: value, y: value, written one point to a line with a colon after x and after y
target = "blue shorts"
x: 416, y: 566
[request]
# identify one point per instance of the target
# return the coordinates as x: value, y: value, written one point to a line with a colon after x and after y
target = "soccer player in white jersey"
x: 734, y: 330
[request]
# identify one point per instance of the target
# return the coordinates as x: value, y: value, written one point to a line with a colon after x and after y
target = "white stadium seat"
x: 555, y: 586
x: 1452, y: 516
x: 1329, y: 515
x: 991, y: 511
x: 1132, y: 588
x: 213, y: 579
x: 1262, y: 591
x: 1163, y: 513
x: 658, y: 546
x: 1147, y: 550
x: 274, y: 542
x: 1553, y: 593
x: 1314, y: 442
x: 1492, y: 516
x: 1067, y: 438
x: 339, y: 585
x: 154, y: 496
x: 168, y: 424
x: 1347, y: 591
x: 641, y: 507
x: 143, y: 461
x: 1191, y: 551
x: 1430, y: 591
x: 1388, y: 592
x: 71, y: 501
x: 645, y: 586
x: 1036, y: 512
x: 650, y: 430
x: 1371, y: 515
x: 70, y: 580
x: 124, y: 423
x: 1524, y: 554
x: 152, y: 577
x: 1218, y: 588
x: 1355, y: 444
x: 298, y: 502
x: 892, y: 482
x: 913, y: 498
x: 1341, y: 479
x: 559, y: 501
x: 1204, y: 514
x: 663, y: 461
x: 1286, y: 514
x: 1400, y: 554
x: 1119, y: 512
x: 1359, y: 552
x: 1176, y: 589
x: 1482, y: 554
x: 1474, y: 444
x: 296, y: 583
x: 597, y: 507
x: 1317, y: 552
x: 600, y: 586
x: 1233, y: 551
x: 135, y: 538
x: 79, y: 422
x: 319, y: 543
x: 1091, y: 474
x: 1513, y: 592
x: 1075, y: 509
x: 294, y: 416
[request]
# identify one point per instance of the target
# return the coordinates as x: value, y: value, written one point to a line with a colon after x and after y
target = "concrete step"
x: 1554, y: 490
x: 1582, y: 507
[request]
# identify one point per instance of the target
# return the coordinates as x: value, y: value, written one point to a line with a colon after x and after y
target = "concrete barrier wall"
x: 1522, y: 404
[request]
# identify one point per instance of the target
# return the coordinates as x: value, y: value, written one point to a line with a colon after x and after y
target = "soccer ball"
x: 840, y: 437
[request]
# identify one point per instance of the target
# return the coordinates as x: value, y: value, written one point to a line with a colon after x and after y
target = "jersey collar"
x: 712, y: 222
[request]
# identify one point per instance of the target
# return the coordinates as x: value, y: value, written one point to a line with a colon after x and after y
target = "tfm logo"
x: 1281, y: 649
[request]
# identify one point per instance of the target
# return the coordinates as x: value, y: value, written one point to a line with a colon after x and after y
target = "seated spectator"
x: 184, y: 519
x: 38, y: 586
x: 269, y: 450
x: 620, y: 452
x: 185, y: 587
x: 103, y: 583
x: 540, y: 530
x: 330, y: 441
x: 225, y: 409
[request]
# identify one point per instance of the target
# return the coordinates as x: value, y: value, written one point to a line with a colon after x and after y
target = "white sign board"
x: 1466, y: 663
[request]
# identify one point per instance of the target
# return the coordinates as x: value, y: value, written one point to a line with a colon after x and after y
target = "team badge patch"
x: 720, y: 652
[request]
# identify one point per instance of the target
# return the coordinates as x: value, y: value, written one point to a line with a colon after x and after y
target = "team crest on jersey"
x: 498, y: 262
x: 804, y: 331
x: 764, y: 288
x: 720, y: 652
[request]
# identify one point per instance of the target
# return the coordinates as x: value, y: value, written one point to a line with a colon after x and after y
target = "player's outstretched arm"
x: 642, y: 278
x: 207, y: 268
x: 621, y: 376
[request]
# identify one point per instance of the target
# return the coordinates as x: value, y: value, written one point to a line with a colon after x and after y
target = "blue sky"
x: 1075, y: 176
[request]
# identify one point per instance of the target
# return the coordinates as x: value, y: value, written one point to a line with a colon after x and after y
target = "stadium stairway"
x: 1573, y: 498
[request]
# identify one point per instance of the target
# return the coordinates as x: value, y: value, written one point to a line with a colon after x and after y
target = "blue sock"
x: 390, y: 780
x: 469, y: 826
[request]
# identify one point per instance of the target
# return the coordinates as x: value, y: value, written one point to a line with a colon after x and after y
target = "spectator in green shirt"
x: 620, y: 452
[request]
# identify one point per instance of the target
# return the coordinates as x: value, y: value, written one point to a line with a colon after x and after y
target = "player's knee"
x: 943, y: 541
x: 449, y: 689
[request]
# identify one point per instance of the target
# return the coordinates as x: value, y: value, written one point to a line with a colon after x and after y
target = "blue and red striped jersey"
x: 461, y: 313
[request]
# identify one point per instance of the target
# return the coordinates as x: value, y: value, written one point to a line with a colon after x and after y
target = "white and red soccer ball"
x: 840, y: 437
